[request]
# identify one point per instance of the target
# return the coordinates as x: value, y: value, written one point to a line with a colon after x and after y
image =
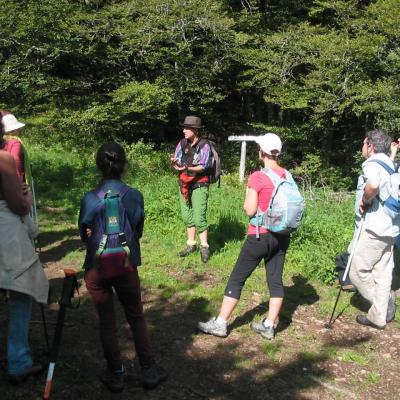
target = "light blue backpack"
x: 285, y: 209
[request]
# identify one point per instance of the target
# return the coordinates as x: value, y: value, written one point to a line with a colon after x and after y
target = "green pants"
x: 194, y: 212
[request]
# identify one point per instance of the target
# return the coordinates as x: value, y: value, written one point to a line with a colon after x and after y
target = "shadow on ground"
x: 200, y: 366
x: 300, y: 293
x: 54, y: 246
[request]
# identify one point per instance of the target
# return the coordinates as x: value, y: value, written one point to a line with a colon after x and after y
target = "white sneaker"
x: 213, y: 328
x: 268, y: 332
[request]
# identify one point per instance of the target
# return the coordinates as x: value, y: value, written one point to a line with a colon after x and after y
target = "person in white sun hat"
x: 12, y: 143
x: 21, y: 273
x: 268, y: 247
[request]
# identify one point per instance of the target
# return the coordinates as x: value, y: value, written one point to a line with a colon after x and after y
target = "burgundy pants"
x: 127, y: 288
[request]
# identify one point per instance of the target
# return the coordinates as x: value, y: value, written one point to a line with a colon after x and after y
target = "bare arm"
x: 370, y: 191
x: 18, y: 200
x: 250, y: 204
x: 394, y: 147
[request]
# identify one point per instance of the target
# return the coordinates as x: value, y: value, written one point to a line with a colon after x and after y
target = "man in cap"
x: 191, y: 159
x: 268, y: 247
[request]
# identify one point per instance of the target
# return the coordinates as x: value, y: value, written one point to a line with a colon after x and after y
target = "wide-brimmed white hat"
x: 270, y: 143
x: 10, y: 123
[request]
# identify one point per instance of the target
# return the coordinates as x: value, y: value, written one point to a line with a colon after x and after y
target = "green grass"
x: 373, y: 377
x: 188, y: 283
x: 63, y: 177
x: 271, y: 350
x: 353, y: 357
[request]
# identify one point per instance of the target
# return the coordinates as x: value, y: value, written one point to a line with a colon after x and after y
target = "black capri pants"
x: 270, y: 247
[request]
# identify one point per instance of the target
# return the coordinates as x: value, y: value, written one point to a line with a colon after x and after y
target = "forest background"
x: 319, y: 73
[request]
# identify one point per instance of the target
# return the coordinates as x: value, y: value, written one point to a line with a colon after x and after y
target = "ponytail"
x: 111, y: 160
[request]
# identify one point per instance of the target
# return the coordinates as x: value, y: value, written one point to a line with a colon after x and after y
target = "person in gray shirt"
x: 372, y: 265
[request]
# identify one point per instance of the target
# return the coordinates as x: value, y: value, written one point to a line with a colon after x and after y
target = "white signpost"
x: 244, y: 139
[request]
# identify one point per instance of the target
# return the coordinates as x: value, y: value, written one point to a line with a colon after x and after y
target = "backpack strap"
x: 122, y: 237
x: 123, y: 191
x: 201, y: 143
x: 99, y: 193
x: 388, y: 169
x: 276, y: 180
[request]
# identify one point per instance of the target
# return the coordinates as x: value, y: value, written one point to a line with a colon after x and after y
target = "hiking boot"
x: 213, y: 328
x: 191, y: 248
x: 114, y: 381
x: 204, y: 253
x: 391, y: 310
x: 267, y: 332
x: 152, y: 375
x: 34, y: 369
x: 363, y: 320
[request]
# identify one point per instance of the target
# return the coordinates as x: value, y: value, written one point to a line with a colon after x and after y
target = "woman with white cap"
x: 13, y: 144
x: 21, y: 273
x: 262, y: 246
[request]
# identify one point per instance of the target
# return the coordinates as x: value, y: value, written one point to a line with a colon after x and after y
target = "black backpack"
x: 214, y: 169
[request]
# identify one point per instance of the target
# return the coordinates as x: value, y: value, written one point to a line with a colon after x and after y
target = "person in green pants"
x: 191, y: 159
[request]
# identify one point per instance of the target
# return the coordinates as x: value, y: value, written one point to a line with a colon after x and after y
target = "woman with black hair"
x: 111, y: 162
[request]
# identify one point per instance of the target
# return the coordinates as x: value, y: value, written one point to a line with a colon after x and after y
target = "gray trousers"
x: 371, y: 273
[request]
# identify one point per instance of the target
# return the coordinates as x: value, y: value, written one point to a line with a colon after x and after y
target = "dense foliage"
x: 318, y: 72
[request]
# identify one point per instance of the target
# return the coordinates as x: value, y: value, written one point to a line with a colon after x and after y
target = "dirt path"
x: 305, y: 361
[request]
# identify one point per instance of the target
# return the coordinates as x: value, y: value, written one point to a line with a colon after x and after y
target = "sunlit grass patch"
x: 374, y: 377
x: 352, y: 357
x: 271, y: 349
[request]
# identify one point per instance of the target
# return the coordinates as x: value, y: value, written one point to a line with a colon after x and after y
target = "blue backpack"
x: 112, y: 234
x: 285, y: 209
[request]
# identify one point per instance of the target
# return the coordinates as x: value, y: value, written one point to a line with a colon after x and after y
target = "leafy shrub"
x: 311, y: 172
x: 326, y: 230
x: 145, y: 161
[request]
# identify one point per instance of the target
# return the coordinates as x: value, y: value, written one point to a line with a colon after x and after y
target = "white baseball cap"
x: 270, y: 143
x: 10, y: 123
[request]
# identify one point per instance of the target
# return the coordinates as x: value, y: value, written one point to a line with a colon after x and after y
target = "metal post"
x: 243, y: 139
x: 242, y: 166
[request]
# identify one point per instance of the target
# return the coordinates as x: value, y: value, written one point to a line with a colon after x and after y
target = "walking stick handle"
x: 49, y: 382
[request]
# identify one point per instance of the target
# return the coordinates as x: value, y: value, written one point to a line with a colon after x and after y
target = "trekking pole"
x: 69, y: 286
x: 46, y: 334
x: 329, y: 325
x: 35, y: 219
x: 34, y: 207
